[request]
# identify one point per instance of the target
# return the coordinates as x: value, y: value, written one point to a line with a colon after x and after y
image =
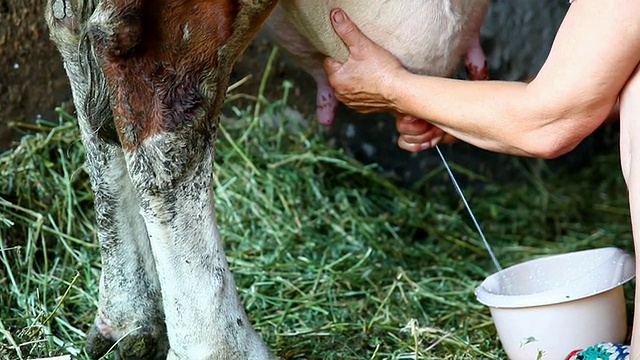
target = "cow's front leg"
x: 130, y: 304
x: 205, y: 319
x: 167, y: 66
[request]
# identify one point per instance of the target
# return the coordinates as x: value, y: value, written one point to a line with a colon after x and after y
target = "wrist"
x: 394, y: 88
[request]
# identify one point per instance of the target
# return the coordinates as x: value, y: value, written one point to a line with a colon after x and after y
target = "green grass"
x: 331, y: 260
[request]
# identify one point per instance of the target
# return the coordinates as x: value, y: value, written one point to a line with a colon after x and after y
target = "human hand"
x: 363, y: 80
x: 417, y: 134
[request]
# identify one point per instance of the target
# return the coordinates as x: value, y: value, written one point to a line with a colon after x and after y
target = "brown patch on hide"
x: 122, y: 32
x: 155, y: 55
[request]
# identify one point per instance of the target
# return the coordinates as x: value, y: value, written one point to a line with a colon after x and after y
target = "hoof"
x: 97, y: 343
x: 139, y: 343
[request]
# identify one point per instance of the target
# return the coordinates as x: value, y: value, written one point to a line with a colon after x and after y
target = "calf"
x: 148, y: 79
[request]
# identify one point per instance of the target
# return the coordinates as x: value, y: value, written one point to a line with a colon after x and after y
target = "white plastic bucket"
x: 553, y: 305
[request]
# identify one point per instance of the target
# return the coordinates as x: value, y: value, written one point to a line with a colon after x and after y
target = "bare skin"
x: 593, y: 63
x: 573, y: 93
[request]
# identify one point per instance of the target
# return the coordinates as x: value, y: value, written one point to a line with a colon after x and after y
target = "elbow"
x: 552, y: 150
x: 551, y: 143
x: 557, y: 122
x: 555, y: 133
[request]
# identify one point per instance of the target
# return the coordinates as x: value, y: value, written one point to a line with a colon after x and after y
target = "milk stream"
x: 466, y: 204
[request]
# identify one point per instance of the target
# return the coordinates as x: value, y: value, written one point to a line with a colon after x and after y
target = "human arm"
x: 595, y: 51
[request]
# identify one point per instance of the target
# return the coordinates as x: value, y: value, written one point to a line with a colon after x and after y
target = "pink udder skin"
x: 326, y: 105
x: 476, y: 62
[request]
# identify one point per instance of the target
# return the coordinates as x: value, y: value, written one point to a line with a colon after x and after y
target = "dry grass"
x: 331, y: 260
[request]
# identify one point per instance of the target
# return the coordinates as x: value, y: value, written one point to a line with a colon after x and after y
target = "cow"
x: 148, y: 79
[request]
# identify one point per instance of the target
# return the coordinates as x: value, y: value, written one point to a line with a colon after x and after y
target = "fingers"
x: 411, y: 125
x: 412, y: 146
x: 348, y: 32
x: 364, y: 80
x: 417, y: 134
x: 424, y: 138
x: 422, y: 141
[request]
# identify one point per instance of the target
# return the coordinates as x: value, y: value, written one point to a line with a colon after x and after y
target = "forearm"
x: 594, y: 53
x: 499, y: 116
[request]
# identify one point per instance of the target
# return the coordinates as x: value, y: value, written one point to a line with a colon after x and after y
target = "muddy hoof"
x: 97, y: 344
x: 141, y: 343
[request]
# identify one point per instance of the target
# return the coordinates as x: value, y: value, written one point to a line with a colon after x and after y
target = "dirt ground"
x: 516, y: 37
x: 32, y: 81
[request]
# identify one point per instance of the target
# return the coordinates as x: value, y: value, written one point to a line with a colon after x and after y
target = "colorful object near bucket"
x: 605, y: 351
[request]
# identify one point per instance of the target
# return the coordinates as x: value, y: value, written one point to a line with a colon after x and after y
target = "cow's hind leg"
x: 130, y: 305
